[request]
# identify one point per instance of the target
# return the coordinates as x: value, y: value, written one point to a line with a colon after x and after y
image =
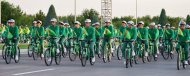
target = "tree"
x: 90, y: 14
x: 40, y: 16
x: 188, y: 19
x: 9, y: 11
x: 163, y: 18
x: 51, y: 14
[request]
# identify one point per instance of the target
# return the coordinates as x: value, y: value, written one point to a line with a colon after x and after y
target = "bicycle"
x: 37, y: 49
x: 128, y: 53
x: 181, y: 57
x: 85, y: 52
x: 51, y: 53
x: 74, y: 49
x: 106, y: 54
x: 166, y: 51
x: 99, y: 50
x: 3, y: 51
x: 63, y: 48
x: 152, y: 51
x: 12, y: 53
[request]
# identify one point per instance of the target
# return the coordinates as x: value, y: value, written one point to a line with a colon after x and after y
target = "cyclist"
x: 13, y: 29
x: 154, y: 36
x: 108, y: 34
x: 183, y: 38
x: 90, y: 37
x: 40, y: 35
x: 169, y: 36
x: 130, y: 33
x: 142, y: 35
x: 98, y: 36
x: 54, y: 37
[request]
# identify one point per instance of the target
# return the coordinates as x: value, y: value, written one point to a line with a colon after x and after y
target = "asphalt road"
x: 28, y: 67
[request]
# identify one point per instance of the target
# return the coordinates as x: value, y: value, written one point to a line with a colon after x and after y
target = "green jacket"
x: 169, y: 34
x: 78, y: 33
x: 185, y: 36
x: 111, y: 29
x: 91, y: 33
x: 98, y: 32
x: 153, y: 33
x: 40, y: 31
x: 142, y: 33
x: 33, y: 31
x: 133, y: 32
x: 62, y: 31
x: 14, y: 31
x: 68, y: 32
x: 55, y: 29
x: 161, y: 32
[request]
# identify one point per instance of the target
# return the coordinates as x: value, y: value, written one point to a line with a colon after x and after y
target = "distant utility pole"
x: 106, y: 10
x: 75, y: 9
x: 0, y: 12
x: 136, y: 12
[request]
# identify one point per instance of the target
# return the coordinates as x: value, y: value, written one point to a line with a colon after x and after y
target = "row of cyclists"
x: 130, y: 42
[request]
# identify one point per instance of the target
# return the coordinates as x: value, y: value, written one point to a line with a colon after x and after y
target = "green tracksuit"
x: 154, y: 35
x: 183, y: 38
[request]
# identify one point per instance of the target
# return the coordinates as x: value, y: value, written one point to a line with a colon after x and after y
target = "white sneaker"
x: 16, y: 57
x: 171, y: 52
x: 57, y: 51
x: 185, y: 62
x: 158, y: 52
x: 146, y: 54
x: 156, y: 56
x: 49, y: 59
x: 111, y: 50
x: 42, y: 55
x: 65, y: 50
x: 124, y: 61
x: 133, y: 53
x: 93, y: 59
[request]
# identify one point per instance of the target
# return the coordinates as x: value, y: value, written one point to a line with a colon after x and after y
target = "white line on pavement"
x: 32, y: 72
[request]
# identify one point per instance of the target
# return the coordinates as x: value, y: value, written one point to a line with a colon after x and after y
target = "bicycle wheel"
x: 119, y: 52
x: 91, y: 62
x: 104, y: 53
x: 3, y: 51
x: 30, y: 50
x: 109, y: 55
x: 149, y: 57
x: 17, y: 54
x: 35, y: 54
x: 8, y: 55
x: 165, y: 53
x: 127, y: 60
x: 113, y: 49
x: 58, y: 58
x: 144, y: 58
x: 178, y: 61
x: 83, y: 57
x: 100, y: 51
x: 72, y: 54
x: 48, y: 57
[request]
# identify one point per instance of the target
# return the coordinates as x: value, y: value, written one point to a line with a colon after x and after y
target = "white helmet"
x: 159, y: 25
x: 87, y: 20
x: 124, y: 22
x: 141, y: 22
x: 108, y: 20
x: 66, y: 24
x: 77, y: 22
x: 130, y: 22
x: 182, y: 23
x: 53, y: 20
x: 153, y: 23
x: 11, y: 20
x: 34, y: 21
x: 97, y: 23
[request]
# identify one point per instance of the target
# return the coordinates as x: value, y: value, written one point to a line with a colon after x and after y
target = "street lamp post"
x: 136, y: 12
x: 75, y: 9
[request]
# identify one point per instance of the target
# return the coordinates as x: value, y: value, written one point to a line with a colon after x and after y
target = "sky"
x: 120, y: 8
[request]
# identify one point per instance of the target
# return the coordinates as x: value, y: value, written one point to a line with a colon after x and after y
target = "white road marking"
x: 32, y: 72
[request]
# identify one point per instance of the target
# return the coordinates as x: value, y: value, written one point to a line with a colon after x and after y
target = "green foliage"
x: 51, y: 14
x: 163, y: 18
x: 40, y: 16
x: 188, y: 19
